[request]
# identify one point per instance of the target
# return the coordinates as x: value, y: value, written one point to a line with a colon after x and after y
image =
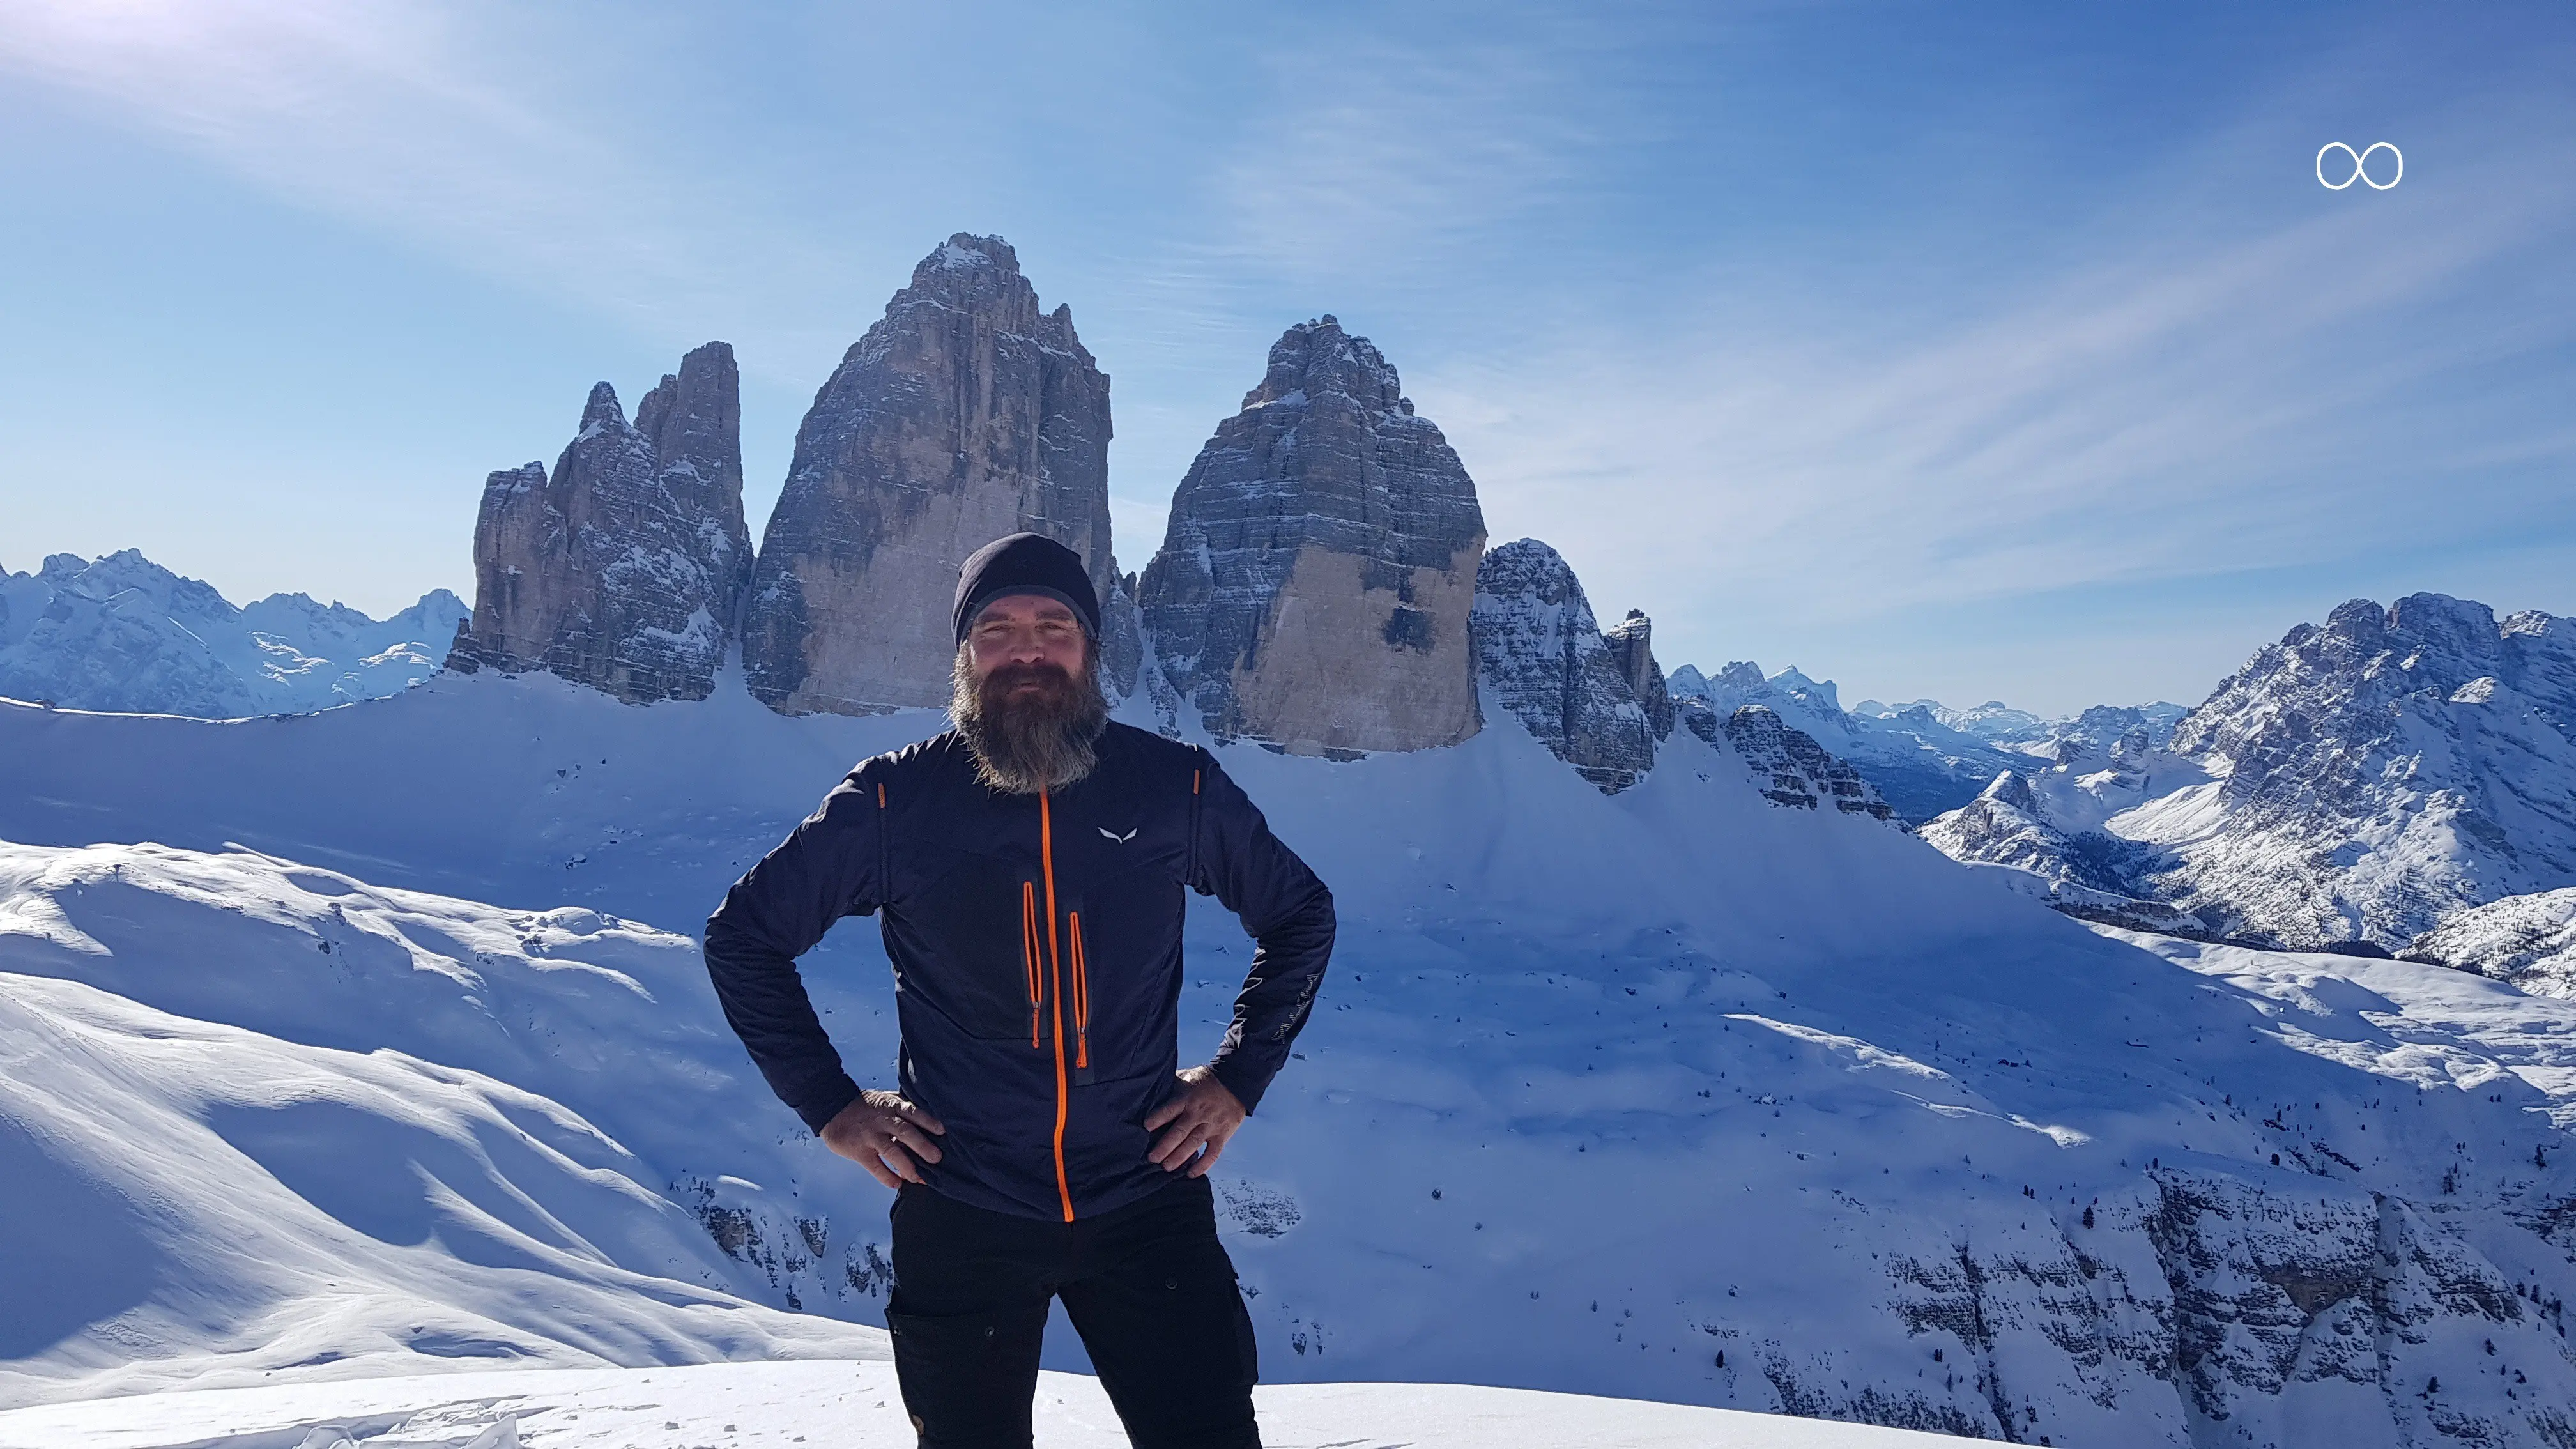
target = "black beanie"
x: 1025, y: 563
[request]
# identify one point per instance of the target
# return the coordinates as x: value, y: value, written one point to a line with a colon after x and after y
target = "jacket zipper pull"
x: 1081, y: 1007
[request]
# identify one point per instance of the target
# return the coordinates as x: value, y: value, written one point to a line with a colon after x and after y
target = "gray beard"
x: 1025, y: 746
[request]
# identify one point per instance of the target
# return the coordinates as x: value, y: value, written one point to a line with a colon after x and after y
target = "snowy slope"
x: 121, y: 632
x: 857, y: 1406
x: 194, y: 1203
x: 2527, y: 940
x: 1600, y: 1089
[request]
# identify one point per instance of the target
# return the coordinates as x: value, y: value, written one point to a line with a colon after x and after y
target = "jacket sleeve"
x: 1289, y: 914
x: 828, y: 867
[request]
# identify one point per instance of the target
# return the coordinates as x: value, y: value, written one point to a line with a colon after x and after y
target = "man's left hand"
x: 1202, y: 1115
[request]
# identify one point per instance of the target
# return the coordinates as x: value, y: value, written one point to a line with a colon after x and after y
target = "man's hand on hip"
x: 1202, y: 1115
x: 882, y: 1132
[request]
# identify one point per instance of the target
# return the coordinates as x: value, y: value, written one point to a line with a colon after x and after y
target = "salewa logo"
x: 1116, y: 838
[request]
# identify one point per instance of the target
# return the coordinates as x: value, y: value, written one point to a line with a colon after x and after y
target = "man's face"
x: 1036, y: 640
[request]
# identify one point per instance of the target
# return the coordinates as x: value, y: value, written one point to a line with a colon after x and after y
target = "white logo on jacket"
x: 1116, y: 838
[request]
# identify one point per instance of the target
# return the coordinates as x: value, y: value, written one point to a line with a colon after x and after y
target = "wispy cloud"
x: 2182, y: 394
x: 402, y: 119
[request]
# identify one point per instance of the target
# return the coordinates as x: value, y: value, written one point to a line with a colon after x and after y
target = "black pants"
x: 1147, y: 1285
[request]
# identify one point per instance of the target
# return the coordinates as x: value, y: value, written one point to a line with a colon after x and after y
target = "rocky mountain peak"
x: 1542, y: 657
x: 1631, y: 642
x: 2011, y: 789
x: 965, y: 413
x: 2351, y: 787
x: 625, y: 568
x: 1317, y: 575
x: 1318, y: 357
x: 602, y: 410
x: 2103, y: 732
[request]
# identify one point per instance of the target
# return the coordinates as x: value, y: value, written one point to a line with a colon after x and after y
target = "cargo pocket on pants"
x: 968, y: 1379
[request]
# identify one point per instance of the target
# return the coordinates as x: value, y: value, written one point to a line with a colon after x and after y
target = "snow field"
x: 856, y: 1406
x: 1599, y: 1093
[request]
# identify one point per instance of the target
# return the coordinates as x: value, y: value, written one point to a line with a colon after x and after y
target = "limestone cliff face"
x: 964, y: 414
x: 1631, y: 642
x: 1543, y: 659
x: 626, y: 568
x: 1315, y: 581
x: 1787, y: 764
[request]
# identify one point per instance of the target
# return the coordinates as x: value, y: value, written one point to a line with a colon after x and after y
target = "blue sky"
x: 1956, y: 351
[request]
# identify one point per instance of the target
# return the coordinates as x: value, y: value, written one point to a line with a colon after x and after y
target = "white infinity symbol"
x: 2360, y: 160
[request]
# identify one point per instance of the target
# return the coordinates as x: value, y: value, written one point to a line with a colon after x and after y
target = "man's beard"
x: 1027, y: 743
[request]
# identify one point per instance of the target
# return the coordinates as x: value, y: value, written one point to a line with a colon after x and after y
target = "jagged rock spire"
x: 1631, y: 642
x: 624, y: 569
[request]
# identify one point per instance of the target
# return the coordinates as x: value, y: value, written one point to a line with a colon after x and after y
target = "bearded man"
x: 1030, y: 865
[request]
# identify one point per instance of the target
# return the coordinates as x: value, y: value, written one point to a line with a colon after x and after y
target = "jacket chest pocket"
x: 992, y: 957
x: 1057, y: 966
x: 980, y: 953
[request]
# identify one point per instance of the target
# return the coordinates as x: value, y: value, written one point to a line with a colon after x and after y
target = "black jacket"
x: 1036, y: 946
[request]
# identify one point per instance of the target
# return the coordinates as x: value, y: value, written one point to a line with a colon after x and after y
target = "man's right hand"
x: 882, y: 1132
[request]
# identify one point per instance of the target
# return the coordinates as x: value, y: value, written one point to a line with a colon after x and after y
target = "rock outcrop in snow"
x: 2527, y: 940
x: 1788, y: 766
x: 964, y: 414
x: 122, y: 633
x: 1542, y: 657
x: 626, y: 569
x: 2086, y: 873
x: 1598, y: 700
x: 1315, y: 581
x: 1632, y: 649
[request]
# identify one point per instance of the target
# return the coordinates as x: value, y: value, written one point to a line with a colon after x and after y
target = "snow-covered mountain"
x: 120, y: 632
x: 1920, y: 763
x: 2529, y: 940
x: 2356, y: 785
x: 1668, y: 1094
x: 1993, y: 721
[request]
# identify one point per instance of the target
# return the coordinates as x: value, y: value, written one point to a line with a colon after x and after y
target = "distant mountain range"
x: 122, y: 633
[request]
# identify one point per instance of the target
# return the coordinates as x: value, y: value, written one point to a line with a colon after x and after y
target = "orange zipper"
x: 1081, y: 999
x: 1029, y: 952
x: 1055, y: 966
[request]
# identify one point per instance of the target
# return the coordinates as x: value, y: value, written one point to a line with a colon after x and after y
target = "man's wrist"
x: 1232, y: 1076
x: 819, y: 1111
